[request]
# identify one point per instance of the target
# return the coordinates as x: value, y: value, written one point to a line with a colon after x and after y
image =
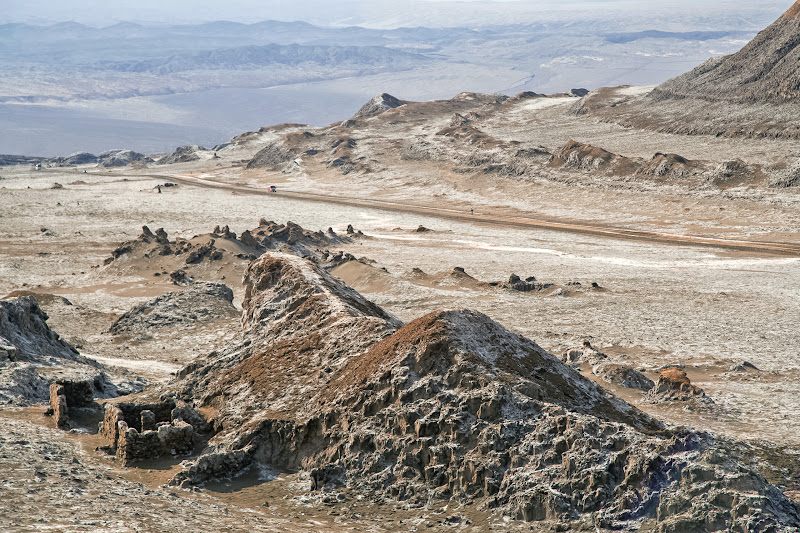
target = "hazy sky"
x: 391, y: 13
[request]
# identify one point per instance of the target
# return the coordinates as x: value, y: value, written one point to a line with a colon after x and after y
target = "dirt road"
x: 791, y: 249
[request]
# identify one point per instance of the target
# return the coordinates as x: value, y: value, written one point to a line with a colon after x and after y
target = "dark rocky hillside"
x: 449, y: 407
x: 766, y: 70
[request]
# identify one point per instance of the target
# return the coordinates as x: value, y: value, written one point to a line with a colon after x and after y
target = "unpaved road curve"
x: 791, y: 249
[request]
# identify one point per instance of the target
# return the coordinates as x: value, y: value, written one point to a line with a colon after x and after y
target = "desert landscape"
x: 573, y: 311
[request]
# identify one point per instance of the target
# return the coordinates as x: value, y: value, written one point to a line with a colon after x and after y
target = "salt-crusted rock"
x: 451, y: 406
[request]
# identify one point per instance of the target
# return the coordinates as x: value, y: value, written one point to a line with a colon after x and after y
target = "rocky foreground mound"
x: 200, y: 302
x: 451, y: 406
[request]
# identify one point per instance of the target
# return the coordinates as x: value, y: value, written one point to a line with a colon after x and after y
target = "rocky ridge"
x: 121, y: 158
x: 185, y: 260
x: 764, y: 71
x: 451, y: 406
x: 754, y: 92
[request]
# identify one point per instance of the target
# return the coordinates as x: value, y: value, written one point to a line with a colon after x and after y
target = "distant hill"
x: 259, y: 56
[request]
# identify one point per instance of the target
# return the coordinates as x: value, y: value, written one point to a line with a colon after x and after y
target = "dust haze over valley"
x: 96, y: 78
x: 463, y: 266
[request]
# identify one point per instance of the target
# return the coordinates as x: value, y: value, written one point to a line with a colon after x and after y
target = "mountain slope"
x: 767, y: 69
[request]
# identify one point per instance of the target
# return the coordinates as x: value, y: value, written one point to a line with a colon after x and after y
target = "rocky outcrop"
x: 582, y: 354
x: 731, y: 173
x: 272, y: 157
x: 25, y: 335
x: 616, y: 371
x: 199, y: 302
x: 182, y: 154
x: 579, y: 93
x: 451, y: 406
x: 121, y: 158
x: 669, y: 166
x: 529, y: 284
x: 32, y: 356
x: 184, y: 257
x: 620, y: 373
x: 789, y: 177
x: 78, y: 158
x: 764, y: 71
x: 381, y: 103
x: 587, y: 157
x: 674, y: 386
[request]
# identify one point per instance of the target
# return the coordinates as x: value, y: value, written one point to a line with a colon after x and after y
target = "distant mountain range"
x: 252, y: 57
x: 69, y: 87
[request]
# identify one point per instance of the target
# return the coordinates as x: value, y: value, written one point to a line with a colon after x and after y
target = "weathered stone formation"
x: 616, y: 371
x: 137, y: 432
x: 582, y: 354
x: 25, y: 335
x: 199, y: 302
x: 619, y: 372
x: 452, y: 407
x: 377, y: 105
x: 8, y: 352
x: 674, y: 385
x: 528, y: 285
x: 222, y: 243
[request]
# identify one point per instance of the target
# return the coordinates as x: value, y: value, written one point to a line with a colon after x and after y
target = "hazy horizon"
x: 386, y: 14
x: 179, y: 81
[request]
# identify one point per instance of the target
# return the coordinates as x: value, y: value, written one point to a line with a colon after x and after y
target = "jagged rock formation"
x: 181, y: 154
x: 515, y: 283
x: 379, y: 104
x: 766, y: 70
x: 615, y: 371
x: 219, y: 255
x: 583, y: 354
x: 451, y: 406
x: 121, y: 158
x: 199, y: 302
